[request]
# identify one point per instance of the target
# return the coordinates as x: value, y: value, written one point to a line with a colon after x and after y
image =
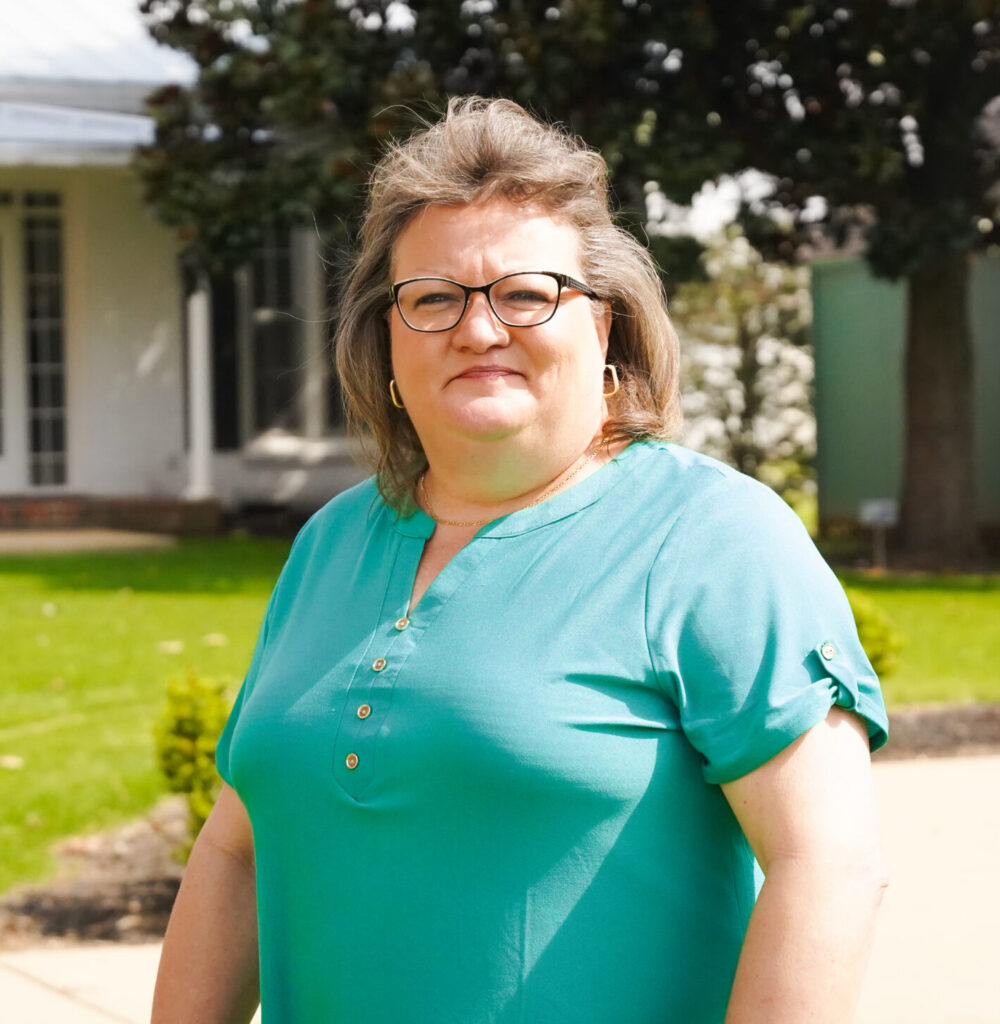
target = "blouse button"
x: 828, y: 651
x: 351, y: 761
x: 402, y: 623
x: 378, y: 664
x: 364, y: 711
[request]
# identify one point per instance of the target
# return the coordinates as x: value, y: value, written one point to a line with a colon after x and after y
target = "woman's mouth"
x: 481, y: 372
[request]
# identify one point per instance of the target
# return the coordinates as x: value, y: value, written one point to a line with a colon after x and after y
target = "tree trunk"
x: 938, y: 518
x: 746, y: 453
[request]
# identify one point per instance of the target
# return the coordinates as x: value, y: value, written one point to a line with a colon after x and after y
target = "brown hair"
x: 483, y: 149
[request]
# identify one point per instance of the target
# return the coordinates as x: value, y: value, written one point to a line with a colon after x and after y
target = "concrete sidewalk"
x: 937, y: 952
x: 91, y: 984
x: 98, y: 983
x: 35, y: 542
x: 936, y: 958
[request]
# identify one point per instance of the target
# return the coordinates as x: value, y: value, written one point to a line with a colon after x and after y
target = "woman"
x: 525, y: 705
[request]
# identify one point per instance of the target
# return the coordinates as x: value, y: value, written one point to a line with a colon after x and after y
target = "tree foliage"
x: 747, y: 362
x: 290, y: 104
x: 185, y: 734
x: 876, y: 107
x: 879, y: 109
x: 872, y: 117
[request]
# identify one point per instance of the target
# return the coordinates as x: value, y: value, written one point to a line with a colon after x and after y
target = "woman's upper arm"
x: 227, y: 828
x: 814, y: 800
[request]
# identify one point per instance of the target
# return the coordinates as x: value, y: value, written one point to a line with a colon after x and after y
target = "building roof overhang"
x: 34, y: 134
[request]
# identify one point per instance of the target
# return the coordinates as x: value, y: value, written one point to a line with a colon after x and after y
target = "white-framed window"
x: 45, y: 337
x: 275, y: 343
x: 287, y: 385
x: 6, y: 203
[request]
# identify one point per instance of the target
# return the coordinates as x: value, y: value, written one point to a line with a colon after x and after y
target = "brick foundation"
x: 154, y: 515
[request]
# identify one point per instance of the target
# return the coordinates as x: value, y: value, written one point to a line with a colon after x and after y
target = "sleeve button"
x: 828, y: 651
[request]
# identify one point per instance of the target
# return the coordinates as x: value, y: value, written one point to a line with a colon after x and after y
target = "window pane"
x: 43, y: 303
x: 45, y: 343
x: 276, y: 354
x: 272, y: 272
x: 277, y: 374
x: 44, y: 297
x: 39, y: 198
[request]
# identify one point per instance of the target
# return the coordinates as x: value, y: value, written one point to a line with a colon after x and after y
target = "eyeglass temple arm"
x: 571, y: 282
x: 564, y: 280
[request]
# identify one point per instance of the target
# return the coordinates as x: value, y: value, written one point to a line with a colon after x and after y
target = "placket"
x: 382, y: 665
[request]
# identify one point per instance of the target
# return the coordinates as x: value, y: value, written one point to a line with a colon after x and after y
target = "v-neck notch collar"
x: 566, y: 503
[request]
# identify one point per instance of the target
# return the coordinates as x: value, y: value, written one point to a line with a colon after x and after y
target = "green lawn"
x: 87, y: 643
x: 950, y: 626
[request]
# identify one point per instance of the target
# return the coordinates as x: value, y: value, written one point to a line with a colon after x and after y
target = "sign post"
x: 879, y: 514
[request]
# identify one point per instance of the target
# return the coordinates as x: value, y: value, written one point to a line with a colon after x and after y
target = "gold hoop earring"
x: 614, y: 380
x: 394, y: 395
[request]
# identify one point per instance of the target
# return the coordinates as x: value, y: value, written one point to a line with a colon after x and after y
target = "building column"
x: 310, y: 298
x: 199, y: 368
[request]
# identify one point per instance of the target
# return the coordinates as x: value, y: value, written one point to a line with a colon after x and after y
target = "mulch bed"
x: 117, y: 885
x: 942, y: 732
x: 120, y: 885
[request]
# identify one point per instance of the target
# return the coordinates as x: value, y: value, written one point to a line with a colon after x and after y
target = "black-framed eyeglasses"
x: 525, y: 299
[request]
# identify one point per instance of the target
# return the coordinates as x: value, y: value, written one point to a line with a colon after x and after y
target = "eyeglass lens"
x: 520, y: 300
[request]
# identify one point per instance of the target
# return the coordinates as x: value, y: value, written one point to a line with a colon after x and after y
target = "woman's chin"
x: 487, y: 419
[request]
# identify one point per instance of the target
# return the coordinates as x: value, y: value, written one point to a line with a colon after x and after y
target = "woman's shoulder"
x: 693, y: 481
x: 718, y: 520
x: 704, y: 512
x: 356, y: 504
x: 343, y: 519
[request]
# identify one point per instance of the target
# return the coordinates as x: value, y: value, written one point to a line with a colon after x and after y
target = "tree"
x: 747, y: 363
x: 295, y: 98
x: 875, y: 108
x: 288, y: 110
x: 880, y: 109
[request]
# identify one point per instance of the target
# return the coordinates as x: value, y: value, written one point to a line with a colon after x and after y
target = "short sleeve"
x: 750, y: 632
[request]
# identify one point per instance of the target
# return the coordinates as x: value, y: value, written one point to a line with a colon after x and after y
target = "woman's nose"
x: 479, y: 327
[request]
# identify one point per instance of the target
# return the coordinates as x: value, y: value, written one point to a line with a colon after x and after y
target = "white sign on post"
x: 879, y: 514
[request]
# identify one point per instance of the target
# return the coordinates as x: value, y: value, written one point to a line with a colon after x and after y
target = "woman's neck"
x: 494, y: 480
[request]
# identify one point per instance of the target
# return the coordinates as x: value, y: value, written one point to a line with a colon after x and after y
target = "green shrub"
x: 878, y: 636
x: 186, y: 734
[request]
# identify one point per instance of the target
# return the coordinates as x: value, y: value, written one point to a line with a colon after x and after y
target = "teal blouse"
x: 503, y: 807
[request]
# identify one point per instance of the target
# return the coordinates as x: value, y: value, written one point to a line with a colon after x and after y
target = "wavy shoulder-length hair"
x: 479, y: 150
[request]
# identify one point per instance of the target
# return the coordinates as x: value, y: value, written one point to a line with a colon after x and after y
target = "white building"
x: 125, y: 396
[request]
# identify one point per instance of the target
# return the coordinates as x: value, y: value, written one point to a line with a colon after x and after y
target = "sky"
x: 93, y: 40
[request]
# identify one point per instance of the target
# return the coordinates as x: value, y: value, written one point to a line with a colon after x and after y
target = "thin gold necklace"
x: 429, y: 508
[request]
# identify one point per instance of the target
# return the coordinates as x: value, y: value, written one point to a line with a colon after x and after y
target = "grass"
x: 950, y: 627
x: 88, y: 643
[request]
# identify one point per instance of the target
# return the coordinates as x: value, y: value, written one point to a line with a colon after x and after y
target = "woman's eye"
x: 436, y: 299
x: 524, y: 297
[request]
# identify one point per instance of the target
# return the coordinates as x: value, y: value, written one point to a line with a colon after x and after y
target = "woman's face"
x: 483, y: 380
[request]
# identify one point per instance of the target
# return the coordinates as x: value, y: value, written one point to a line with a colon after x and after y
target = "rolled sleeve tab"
x: 842, y: 675
x: 854, y: 690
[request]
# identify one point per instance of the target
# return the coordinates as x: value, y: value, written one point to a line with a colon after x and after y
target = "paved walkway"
x: 937, y: 953
x: 936, y: 958
x: 30, y: 542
